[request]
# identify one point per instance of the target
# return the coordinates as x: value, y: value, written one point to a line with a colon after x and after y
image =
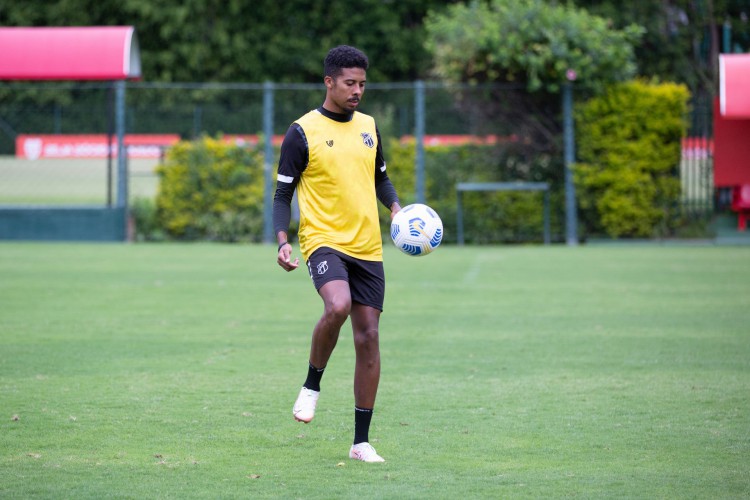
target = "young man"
x: 333, y: 157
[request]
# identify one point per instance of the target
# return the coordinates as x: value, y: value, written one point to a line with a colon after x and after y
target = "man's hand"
x: 395, y: 208
x: 285, y: 258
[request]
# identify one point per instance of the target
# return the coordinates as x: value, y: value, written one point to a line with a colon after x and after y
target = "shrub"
x: 489, y: 217
x: 627, y: 180
x: 211, y: 190
x: 143, y: 215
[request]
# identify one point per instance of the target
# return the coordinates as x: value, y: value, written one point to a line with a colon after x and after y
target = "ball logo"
x: 367, y: 139
x: 323, y: 267
x: 416, y: 227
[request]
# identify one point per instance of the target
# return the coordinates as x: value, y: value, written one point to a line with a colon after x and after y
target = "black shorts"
x: 366, y: 278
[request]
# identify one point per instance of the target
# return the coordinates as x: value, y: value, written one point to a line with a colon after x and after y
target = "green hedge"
x: 489, y: 217
x: 211, y: 190
x: 629, y: 140
x: 627, y: 182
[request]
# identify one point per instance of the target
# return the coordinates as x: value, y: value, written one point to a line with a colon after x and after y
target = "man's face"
x: 345, y: 91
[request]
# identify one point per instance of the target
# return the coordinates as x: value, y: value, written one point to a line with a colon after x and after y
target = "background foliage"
x: 489, y: 217
x: 536, y: 45
x: 629, y: 148
x: 234, y: 40
x: 528, y: 43
x: 682, y: 37
x: 531, y: 42
x: 211, y: 190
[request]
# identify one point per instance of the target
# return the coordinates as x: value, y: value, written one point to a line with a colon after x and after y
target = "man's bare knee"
x: 366, y: 338
x: 338, y: 309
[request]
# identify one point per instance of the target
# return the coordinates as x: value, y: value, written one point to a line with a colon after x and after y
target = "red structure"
x: 741, y: 205
x: 732, y: 133
x: 108, y: 53
x: 79, y: 53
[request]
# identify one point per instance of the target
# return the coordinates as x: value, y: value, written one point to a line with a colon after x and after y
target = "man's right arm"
x: 292, y: 162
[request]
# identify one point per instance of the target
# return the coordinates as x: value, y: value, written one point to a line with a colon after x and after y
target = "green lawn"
x: 70, y: 181
x: 169, y: 371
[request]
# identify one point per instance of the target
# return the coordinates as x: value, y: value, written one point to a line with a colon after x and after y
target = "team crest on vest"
x: 330, y: 143
x: 367, y: 139
x: 323, y: 267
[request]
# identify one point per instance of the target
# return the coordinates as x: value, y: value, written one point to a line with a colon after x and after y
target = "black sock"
x: 362, y: 417
x: 313, y: 378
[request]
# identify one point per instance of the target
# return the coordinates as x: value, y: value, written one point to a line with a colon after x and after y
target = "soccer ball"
x: 417, y: 230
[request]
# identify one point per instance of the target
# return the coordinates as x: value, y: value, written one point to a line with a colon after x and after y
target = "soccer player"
x: 333, y: 157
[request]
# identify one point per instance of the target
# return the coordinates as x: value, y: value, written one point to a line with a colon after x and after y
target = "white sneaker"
x: 304, y: 407
x: 365, y: 452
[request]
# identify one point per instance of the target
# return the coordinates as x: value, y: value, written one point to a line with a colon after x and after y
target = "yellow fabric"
x: 336, y: 193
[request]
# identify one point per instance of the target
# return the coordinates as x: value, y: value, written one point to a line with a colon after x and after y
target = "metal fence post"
x: 122, y: 164
x: 547, y: 238
x: 571, y: 216
x: 110, y: 136
x: 268, y: 88
x: 419, y: 136
x: 459, y: 217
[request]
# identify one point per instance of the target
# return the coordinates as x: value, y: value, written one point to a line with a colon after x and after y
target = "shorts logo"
x: 323, y: 267
x: 367, y: 139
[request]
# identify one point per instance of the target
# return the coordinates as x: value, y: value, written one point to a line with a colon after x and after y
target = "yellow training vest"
x: 336, y: 192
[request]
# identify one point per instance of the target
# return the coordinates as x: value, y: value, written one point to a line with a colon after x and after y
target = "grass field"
x: 69, y: 181
x: 169, y: 371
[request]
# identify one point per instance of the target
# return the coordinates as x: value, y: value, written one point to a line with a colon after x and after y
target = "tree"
x: 534, y: 45
x: 240, y: 41
x: 682, y: 37
x: 531, y: 42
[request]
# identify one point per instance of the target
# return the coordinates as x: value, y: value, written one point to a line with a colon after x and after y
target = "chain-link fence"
x: 191, y: 110
x: 54, y: 139
x: 696, y: 168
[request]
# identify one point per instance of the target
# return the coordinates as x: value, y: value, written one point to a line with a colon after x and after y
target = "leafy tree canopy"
x: 683, y: 37
x: 531, y: 42
x: 237, y: 40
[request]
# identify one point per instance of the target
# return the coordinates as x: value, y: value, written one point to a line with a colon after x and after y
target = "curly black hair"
x: 343, y: 56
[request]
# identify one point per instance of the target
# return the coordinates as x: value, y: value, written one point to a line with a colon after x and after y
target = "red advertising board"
x: 34, y: 147
x: 250, y: 139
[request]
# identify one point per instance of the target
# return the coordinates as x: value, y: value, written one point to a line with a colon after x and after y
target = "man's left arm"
x: 384, y: 189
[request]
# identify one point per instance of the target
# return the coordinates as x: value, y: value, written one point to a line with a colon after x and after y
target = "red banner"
x: 250, y: 140
x: 33, y: 147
